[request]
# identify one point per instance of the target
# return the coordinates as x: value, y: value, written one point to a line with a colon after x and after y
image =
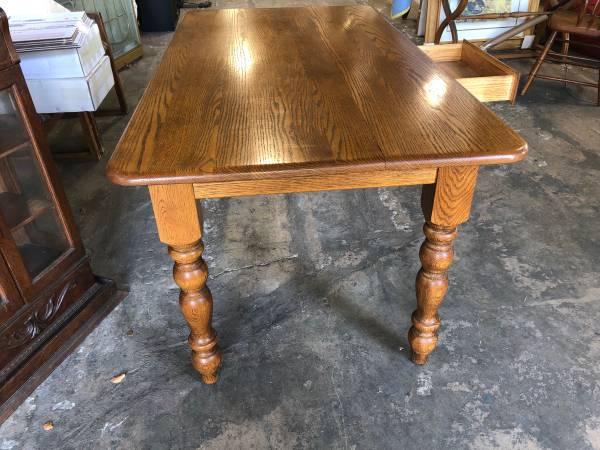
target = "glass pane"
x: 119, y: 19
x: 25, y: 203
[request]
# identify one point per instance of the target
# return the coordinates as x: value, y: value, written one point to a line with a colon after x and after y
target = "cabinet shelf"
x: 15, y: 148
x: 36, y: 207
x: 12, y: 135
x: 19, y: 212
x: 37, y: 257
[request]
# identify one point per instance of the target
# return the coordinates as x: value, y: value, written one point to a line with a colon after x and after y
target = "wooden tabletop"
x: 249, y: 93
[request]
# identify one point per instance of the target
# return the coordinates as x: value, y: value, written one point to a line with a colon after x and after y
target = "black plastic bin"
x: 158, y: 15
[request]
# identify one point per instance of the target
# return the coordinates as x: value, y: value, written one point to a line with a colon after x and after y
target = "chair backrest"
x: 8, y: 55
x: 587, y: 12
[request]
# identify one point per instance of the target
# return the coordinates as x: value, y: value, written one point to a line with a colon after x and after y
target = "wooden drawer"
x: 484, y: 76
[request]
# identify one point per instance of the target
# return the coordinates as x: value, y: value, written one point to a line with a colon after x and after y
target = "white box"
x: 72, y: 94
x: 64, y: 63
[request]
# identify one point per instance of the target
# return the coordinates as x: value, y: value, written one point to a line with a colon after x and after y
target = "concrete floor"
x: 313, y: 295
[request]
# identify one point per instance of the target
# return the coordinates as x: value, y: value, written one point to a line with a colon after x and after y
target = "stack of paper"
x: 51, y: 32
x: 63, y: 61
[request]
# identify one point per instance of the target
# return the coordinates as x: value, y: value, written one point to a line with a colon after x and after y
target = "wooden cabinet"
x: 49, y: 297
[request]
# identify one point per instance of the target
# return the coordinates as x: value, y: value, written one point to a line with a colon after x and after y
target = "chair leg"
x: 598, y: 101
x: 538, y: 63
x: 91, y: 135
x: 565, y: 52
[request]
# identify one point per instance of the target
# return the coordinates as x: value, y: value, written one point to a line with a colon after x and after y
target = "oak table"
x: 272, y: 101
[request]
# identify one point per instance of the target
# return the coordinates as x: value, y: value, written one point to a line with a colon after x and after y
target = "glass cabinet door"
x: 119, y: 19
x: 33, y: 235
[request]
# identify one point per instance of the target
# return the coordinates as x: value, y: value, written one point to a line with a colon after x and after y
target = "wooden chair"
x: 583, y: 20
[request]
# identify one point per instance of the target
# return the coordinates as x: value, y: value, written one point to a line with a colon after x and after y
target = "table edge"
x: 283, y: 172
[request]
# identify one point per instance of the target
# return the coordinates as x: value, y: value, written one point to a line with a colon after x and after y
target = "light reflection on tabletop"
x: 241, y: 57
x: 435, y: 91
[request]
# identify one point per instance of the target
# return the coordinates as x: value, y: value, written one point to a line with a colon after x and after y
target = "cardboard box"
x: 54, y: 95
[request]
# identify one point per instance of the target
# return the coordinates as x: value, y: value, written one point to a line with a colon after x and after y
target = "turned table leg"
x: 180, y: 227
x: 445, y: 205
x: 432, y: 283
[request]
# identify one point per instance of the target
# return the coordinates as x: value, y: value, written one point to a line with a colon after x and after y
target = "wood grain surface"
x: 246, y: 93
x: 485, y: 77
x: 448, y: 202
x: 176, y: 214
x: 315, y: 183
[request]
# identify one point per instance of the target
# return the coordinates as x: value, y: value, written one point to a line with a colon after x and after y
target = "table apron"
x: 313, y: 183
